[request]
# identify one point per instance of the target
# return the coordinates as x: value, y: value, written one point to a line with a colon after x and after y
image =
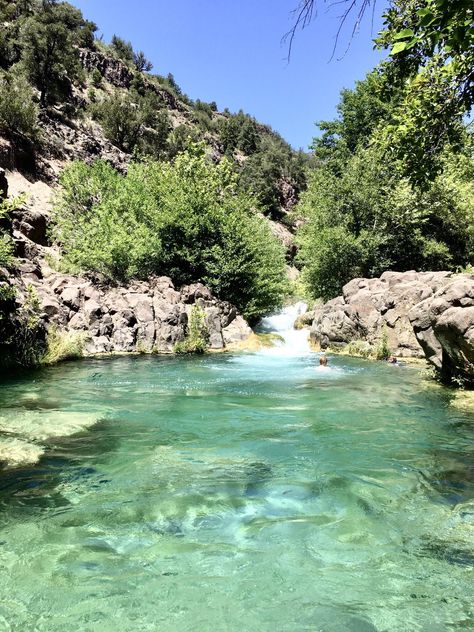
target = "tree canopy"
x: 185, y: 219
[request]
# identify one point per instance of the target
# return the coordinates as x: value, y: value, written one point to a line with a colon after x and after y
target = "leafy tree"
x: 18, y: 110
x: 49, y: 55
x: 431, y: 48
x: 142, y: 64
x: 368, y: 217
x: 123, y: 49
x: 264, y: 172
x: 181, y: 138
x: 125, y: 117
x: 360, y: 111
x: 185, y: 219
x: 173, y: 85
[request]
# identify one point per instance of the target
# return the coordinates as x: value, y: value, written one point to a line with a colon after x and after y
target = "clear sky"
x: 230, y: 51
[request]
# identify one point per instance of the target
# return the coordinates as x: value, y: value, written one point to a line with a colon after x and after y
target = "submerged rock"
x: 18, y: 453
x: 43, y: 425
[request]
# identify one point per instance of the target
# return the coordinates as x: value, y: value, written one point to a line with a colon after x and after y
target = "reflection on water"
x: 237, y: 492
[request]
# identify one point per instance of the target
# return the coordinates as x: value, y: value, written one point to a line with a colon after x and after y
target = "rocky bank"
x: 142, y: 316
x: 421, y: 314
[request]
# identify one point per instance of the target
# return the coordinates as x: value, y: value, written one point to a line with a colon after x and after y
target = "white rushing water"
x: 294, y: 342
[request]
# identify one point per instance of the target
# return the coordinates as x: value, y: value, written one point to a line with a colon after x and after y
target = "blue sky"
x: 230, y: 51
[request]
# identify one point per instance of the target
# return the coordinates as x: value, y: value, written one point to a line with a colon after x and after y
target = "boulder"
x: 32, y: 224
x: 372, y: 308
x: 444, y: 327
x: 3, y: 185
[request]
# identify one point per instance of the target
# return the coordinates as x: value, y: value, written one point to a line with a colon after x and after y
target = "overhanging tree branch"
x: 306, y: 11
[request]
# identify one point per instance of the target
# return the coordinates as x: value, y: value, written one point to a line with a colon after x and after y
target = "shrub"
x: 186, y: 220
x: 63, y: 345
x: 382, y: 351
x: 122, y: 49
x: 365, y: 217
x: 96, y: 78
x: 197, y: 339
x: 18, y: 110
x: 49, y: 40
x: 125, y: 117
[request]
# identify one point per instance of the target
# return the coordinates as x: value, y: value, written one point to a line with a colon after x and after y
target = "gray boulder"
x: 140, y: 317
x: 444, y: 326
x: 371, y: 308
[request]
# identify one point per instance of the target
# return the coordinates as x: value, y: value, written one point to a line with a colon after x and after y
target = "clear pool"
x: 238, y: 492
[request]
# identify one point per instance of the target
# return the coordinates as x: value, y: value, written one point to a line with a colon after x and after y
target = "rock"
x: 283, y: 234
x: 32, y: 224
x: 214, y: 326
x: 143, y: 316
x: 237, y: 331
x: 191, y: 293
x: 92, y: 310
x: 371, y: 308
x: 444, y: 326
x: 3, y: 185
x: 71, y: 296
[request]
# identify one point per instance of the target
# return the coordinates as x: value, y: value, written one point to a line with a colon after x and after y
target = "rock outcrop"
x: 422, y: 314
x: 143, y: 316
x: 368, y: 307
x: 444, y: 326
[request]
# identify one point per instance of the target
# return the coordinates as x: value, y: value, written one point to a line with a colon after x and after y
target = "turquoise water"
x: 239, y: 492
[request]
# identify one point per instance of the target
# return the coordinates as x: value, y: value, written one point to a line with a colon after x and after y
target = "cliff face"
x: 421, y: 314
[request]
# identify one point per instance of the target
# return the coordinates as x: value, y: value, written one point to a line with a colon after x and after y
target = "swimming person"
x: 392, y: 360
x: 323, y: 360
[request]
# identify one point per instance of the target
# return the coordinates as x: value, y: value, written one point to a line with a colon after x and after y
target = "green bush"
x: 382, y: 351
x: 134, y: 121
x: 18, y: 110
x: 49, y: 41
x: 186, y: 220
x: 364, y: 217
x: 96, y: 78
x: 197, y: 339
x: 63, y: 345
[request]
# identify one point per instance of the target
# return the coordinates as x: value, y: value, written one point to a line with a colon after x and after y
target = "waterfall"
x: 294, y: 341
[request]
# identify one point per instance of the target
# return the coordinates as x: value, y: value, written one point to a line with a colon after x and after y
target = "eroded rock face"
x: 444, y: 326
x: 368, y: 307
x: 143, y: 316
x: 428, y: 314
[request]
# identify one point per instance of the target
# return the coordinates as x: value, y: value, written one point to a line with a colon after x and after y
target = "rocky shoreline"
x: 420, y: 314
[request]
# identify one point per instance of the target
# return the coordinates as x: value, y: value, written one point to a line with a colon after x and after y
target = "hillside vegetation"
x: 152, y: 182
x: 393, y: 184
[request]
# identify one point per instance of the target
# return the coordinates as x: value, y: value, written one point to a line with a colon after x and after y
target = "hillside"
x: 67, y: 97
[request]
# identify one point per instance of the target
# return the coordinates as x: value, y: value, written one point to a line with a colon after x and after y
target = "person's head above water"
x: 323, y: 359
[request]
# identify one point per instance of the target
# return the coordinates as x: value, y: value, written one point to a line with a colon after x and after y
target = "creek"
x: 237, y: 492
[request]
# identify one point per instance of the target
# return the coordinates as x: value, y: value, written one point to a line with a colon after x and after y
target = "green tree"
x: 18, y: 110
x: 123, y: 49
x: 142, y: 64
x: 367, y: 217
x: 125, y: 118
x: 185, y: 219
x: 49, y: 40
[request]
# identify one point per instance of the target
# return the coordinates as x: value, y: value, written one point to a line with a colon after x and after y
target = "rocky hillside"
x: 65, y: 96
x: 413, y: 314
